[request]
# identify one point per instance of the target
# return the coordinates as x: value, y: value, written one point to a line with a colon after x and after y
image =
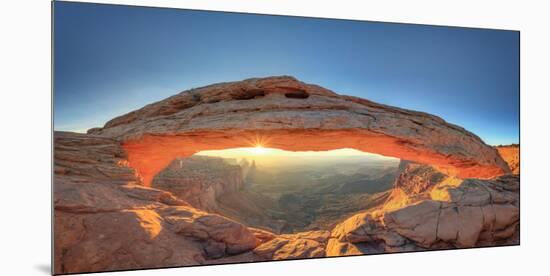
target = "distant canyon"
x: 286, y: 196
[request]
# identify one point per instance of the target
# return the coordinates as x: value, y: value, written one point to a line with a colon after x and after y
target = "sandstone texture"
x: 445, y: 213
x: 294, y: 246
x: 106, y: 220
x: 278, y: 112
x: 510, y: 154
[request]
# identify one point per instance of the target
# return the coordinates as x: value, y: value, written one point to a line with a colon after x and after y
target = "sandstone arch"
x: 285, y: 113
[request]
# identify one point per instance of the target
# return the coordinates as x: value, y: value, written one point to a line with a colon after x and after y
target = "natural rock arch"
x: 282, y: 112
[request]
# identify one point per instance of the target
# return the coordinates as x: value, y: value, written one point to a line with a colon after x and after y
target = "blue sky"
x: 110, y: 60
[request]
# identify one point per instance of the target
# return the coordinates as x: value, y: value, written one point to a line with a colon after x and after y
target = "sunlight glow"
x: 258, y: 150
x: 262, y: 151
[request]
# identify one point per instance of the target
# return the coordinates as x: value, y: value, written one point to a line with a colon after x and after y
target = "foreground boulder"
x: 294, y: 246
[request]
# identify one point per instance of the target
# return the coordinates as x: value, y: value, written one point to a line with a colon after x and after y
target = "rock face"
x: 296, y: 246
x: 106, y: 220
x: 412, y: 183
x: 200, y: 180
x: 214, y: 185
x: 277, y: 112
x: 438, y: 212
x: 510, y: 154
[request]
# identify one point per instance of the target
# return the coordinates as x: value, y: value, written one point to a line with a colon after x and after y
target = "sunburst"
x: 259, y: 150
x: 258, y: 142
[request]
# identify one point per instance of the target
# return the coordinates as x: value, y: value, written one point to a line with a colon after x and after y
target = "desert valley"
x: 289, y: 195
x: 273, y: 169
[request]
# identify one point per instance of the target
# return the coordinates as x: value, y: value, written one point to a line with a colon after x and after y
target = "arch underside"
x: 153, y: 152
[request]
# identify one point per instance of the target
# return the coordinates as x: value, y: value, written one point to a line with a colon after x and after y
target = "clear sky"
x: 110, y: 60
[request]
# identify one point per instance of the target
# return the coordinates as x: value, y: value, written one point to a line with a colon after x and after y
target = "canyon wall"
x: 200, y: 180
x: 214, y: 185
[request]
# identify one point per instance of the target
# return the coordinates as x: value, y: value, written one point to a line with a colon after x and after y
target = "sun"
x: 258, y: 150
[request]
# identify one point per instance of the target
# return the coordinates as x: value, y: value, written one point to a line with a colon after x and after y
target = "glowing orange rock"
x: 510, y: 154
